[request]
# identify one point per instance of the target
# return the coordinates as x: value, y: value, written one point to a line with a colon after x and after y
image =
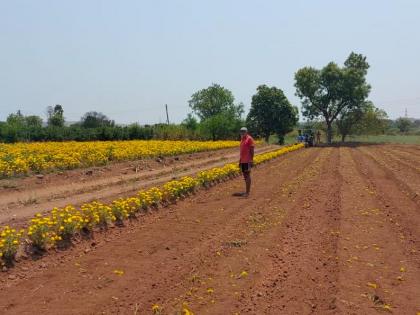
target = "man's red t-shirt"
x: 245, y: 149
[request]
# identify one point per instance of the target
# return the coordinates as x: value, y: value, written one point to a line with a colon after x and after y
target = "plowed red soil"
x: 325, y: 231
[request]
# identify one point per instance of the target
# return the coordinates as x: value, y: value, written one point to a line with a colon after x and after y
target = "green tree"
x: 95, y: 120
x: 365, y: 119
x: 190, y: 122
x: 21, y: 128
x: 373, y: 122
x: 271, y: 113
x: 212, y: 101
x: 22, y: 121
x: 221, y: 126
x: 220, y: 117
x: 16, y: 119
x: 33, y: 121
x: 403, y: 124
x: 55, y: 116
x: 347, y: 122
x: 331, y: 90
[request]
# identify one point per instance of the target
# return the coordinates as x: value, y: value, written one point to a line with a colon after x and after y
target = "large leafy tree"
x: 16, y: 119
x: 374, y: 121
x: 347, y: 121
x: 19, y: 127
x: 221, y: 126
x: 403, y: 124
x: 212, y: 101
x: 55, y: 116
x: 95, y: 120
x: 190, y: 122
x: 33, y: 121
x: 364, y: 119
x: 220, y: 117
x: 21, y: 121
x: 329, y: 91
x: 271, y: 113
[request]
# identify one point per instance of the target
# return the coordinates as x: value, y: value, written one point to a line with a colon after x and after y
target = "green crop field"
x: 403, y: 139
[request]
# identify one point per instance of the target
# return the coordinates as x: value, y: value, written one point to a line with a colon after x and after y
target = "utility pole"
x: 167, y: 116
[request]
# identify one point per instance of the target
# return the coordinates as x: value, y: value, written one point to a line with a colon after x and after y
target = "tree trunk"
x: 267, y: 138
x: 343, y: 138
x: 329, y: 132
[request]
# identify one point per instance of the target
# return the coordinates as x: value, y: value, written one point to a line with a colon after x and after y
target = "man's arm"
x: 251, y: 152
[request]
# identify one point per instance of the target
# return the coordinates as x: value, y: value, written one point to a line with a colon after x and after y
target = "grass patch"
x: 402, y: 139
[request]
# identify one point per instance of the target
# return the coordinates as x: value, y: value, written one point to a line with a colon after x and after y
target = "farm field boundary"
x: 29, y: 195
x: 62, y: 224
x: 325, y: 231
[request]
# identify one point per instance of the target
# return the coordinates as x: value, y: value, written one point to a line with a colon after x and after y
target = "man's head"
x: 243, y: 132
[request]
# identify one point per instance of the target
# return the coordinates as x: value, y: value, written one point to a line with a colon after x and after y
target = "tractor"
x: 308, y: 137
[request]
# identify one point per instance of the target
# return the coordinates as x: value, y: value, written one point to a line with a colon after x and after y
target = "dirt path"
x: 326, y: 231
x: 31, y: 195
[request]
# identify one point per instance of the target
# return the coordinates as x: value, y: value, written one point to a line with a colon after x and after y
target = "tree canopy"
x: 22, y: 121
x: 271, y: 113
x: 329, y: 91
x: 190, y: 122
x: 55, y: 116
x: 16, y: 119
x: 95, y: 120
x: 364, y: 119
x: 220, y: 117
x: 213, y: 100
x: 403, y: 124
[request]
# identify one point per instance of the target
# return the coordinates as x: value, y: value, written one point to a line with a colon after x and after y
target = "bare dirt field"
x: 332, y: 230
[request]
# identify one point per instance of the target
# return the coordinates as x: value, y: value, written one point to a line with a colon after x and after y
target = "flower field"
x: 23, y: 158
x: 325, y: 230
x: 45, y: 231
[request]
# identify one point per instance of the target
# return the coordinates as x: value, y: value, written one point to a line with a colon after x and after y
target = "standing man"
x: 246, y: 160
x: 318, y: 137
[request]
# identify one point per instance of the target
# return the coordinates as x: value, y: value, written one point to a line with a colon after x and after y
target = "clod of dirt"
x: 89, y: 172
x: 40, y: 176
x: 375, y: 299
x: 236, y: 243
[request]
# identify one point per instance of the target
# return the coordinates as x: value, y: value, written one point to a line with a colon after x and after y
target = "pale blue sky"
x: 128, y: 58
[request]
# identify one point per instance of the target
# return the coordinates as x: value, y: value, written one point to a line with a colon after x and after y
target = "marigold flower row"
x: 24, y: 158
x: 61, y: 224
